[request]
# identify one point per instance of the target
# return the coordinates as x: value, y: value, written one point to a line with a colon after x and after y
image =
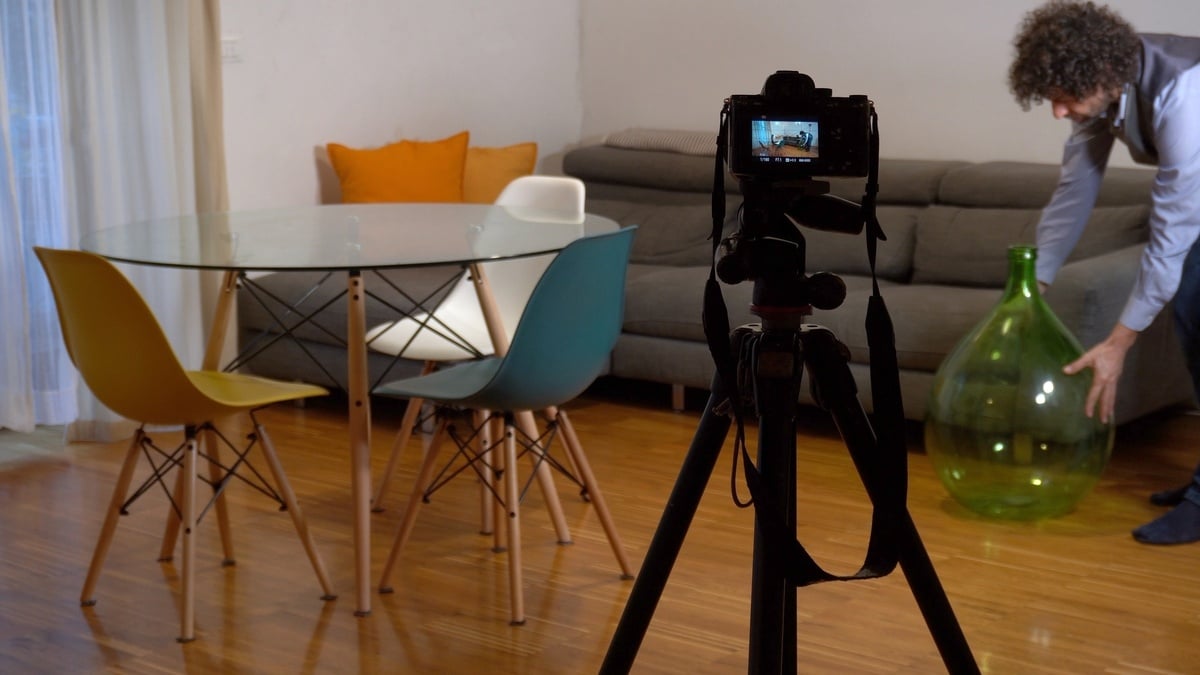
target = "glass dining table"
x: 351, y: 239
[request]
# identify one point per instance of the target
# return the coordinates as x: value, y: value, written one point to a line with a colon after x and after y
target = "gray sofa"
x: 942, y: 267
x: 948, y: 226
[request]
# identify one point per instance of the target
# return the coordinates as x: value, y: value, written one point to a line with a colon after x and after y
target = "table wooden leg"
x: 220, y: 324
x: 360, y: 438
x: 222, y: 315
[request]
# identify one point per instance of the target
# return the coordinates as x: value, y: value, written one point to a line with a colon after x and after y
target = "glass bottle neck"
x: 1022, y: 272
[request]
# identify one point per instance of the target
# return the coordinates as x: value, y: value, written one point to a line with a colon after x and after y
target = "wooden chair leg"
x: 212, y: 448
x: 187, y: 630
x: 575, y: 448
x: 551, y: 414
x: 483, y: 439
x: 289, y: 499
x: 528, y: 426
x: 512, y: 500
x: 120, y: 490
x: 171, y: 530
x: 496, y: 433
x: 411, y: 412
x: 424, y: 476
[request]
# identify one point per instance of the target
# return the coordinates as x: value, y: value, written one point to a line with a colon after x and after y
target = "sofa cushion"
x: 405, y: 171
x: 668, y: 234
x: 928, y: 320
x: 677, y: 234
x: 670, y: 171
x: 701, y: 143
x: 847, y: 254
x: 1112, y: 228
x: 1029, y: 185
x: 488, y: 171
x: 968, y: 246
x: 901, y: 181
x: 667, y: 301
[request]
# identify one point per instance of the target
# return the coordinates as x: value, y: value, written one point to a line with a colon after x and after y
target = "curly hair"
x: 1071, y: 49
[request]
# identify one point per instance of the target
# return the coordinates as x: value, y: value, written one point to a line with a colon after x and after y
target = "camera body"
x: 793, y: 130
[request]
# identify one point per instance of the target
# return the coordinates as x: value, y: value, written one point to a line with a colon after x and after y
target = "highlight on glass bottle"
x: 1006, y: 429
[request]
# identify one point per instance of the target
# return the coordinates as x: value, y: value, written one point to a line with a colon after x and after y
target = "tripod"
x: 778, y: 351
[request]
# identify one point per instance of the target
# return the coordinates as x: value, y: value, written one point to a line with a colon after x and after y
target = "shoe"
x: 1170, y: 497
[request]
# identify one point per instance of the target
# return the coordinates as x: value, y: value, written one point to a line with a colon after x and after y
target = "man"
x: 1143, y: 89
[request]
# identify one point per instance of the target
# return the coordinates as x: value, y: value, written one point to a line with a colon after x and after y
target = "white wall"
x: 935, y: 69
x: 369, y: 72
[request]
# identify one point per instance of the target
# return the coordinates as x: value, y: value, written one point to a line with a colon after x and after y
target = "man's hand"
x: 1106, y: 360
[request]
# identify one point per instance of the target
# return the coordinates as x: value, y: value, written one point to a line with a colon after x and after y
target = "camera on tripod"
x: 775, y: 143
x: 795, y: 130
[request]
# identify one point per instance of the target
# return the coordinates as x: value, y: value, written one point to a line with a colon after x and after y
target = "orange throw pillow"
x: 406, y: 171
x: 489, y: 170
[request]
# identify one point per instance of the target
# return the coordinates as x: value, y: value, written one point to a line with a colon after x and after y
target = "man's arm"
x: 1085, y: 155
x: 1175, y: 214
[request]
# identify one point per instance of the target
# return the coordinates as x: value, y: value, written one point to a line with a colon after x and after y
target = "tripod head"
x: 769, y: 248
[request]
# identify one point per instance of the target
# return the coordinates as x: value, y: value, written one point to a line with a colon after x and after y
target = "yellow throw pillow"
x: 488, y: 170
x: 406, y: 171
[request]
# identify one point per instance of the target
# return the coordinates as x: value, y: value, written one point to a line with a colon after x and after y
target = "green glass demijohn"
x: 1005, y: 428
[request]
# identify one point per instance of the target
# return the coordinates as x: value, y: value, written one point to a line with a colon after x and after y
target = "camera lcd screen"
x: 791, y: 141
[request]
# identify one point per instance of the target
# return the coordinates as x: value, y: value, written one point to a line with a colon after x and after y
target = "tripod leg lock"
x: 827, y: 362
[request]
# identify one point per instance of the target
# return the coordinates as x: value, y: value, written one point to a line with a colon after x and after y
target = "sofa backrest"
x: 982, y: 209
x: 669, y: 195
x: 946, y: 221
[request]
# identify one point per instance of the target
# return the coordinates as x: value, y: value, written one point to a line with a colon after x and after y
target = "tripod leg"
x: 773, y: 594
x: 776, y: 365
x: 668, y: 538
x: 835, y: 391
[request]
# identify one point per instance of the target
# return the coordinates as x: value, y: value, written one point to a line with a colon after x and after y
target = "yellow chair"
x: 125, y: 359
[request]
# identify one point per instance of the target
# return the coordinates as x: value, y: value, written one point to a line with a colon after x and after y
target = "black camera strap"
x: 885, y: 469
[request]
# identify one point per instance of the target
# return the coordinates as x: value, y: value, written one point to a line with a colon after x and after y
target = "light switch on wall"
x: 231, y: 49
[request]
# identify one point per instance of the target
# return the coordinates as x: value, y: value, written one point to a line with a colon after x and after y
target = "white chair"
x: 456, y: 330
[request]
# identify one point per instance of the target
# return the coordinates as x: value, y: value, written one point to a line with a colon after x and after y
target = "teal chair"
x: 561, y: 344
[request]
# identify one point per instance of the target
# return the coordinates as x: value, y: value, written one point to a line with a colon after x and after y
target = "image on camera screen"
x: 784, y: 141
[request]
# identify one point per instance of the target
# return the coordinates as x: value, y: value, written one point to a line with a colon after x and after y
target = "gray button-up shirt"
x: 1158, y: 118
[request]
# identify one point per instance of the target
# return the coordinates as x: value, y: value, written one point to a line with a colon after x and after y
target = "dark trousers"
x: 1187, y: 326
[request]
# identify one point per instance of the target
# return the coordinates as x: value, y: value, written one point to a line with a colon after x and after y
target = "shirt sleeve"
x: 1085, y: 156
x: 1175, y: 200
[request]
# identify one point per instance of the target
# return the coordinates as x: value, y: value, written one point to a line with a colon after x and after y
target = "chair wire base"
x: 162, y: 463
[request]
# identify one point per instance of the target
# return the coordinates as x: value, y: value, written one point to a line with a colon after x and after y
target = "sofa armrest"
x: 1089, y: 294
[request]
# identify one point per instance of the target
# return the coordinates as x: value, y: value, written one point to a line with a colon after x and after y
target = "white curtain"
x: 37, y: 381
x: 124, y: 79
x: 127, y: 114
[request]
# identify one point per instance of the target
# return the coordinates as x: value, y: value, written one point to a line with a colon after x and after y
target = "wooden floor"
x: 1070, y: 595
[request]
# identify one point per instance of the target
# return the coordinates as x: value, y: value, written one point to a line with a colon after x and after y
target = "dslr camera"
x: 795, y: 130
